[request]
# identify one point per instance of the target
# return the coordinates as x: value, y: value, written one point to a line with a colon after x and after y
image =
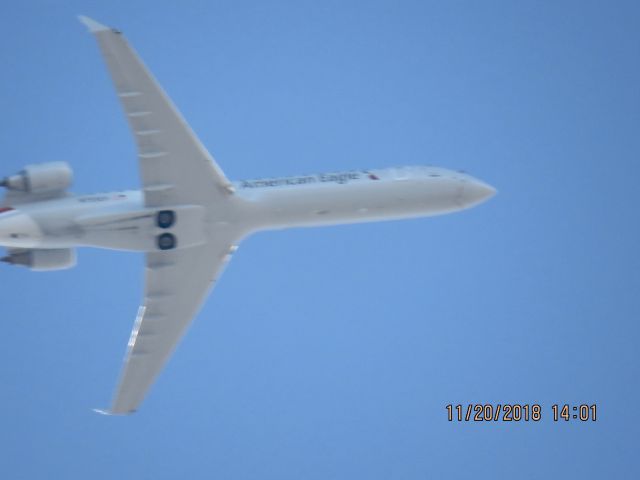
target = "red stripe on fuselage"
x: 5, y: 209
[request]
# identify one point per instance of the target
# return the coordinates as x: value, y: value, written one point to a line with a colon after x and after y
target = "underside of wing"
x: 177, y: 283
x: 174, y: 165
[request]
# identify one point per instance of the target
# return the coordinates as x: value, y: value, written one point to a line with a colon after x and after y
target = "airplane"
x: 188, y: 218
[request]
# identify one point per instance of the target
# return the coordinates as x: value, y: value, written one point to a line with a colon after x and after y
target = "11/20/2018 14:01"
x: 516, y: 412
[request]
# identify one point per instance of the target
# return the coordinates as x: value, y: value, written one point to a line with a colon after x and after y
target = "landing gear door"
x: 186, y: 225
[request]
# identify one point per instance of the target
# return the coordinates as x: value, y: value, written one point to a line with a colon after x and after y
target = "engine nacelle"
x: 41, y: 260
x: 41, y: 178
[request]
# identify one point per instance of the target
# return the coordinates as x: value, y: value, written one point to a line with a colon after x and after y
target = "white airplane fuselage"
x: 120, y: 220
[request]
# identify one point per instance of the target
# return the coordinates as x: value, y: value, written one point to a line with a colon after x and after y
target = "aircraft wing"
x: 175, y: 167
x: 176, y: 170
x: 177, y: 283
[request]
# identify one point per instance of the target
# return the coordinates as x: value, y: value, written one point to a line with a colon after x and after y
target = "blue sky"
x: 332, y: 353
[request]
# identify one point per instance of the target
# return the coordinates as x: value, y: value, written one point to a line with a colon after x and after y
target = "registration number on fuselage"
x: 101, y: 198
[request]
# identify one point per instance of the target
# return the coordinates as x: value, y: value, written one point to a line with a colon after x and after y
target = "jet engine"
x: 41, y: 178
x: 41, y: 260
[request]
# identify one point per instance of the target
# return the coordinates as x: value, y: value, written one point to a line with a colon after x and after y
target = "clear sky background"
x: 332, y: 353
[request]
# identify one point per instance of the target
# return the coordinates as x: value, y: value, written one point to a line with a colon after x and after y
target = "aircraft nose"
x: 475, y: 192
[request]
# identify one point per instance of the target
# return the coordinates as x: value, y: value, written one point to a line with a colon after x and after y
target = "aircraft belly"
x: 337, y: 204
x: 140, y: 230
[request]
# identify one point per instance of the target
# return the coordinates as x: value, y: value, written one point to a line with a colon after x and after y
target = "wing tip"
x: 101, y: 411
x: 111, y: 413
x: 92, y: 25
